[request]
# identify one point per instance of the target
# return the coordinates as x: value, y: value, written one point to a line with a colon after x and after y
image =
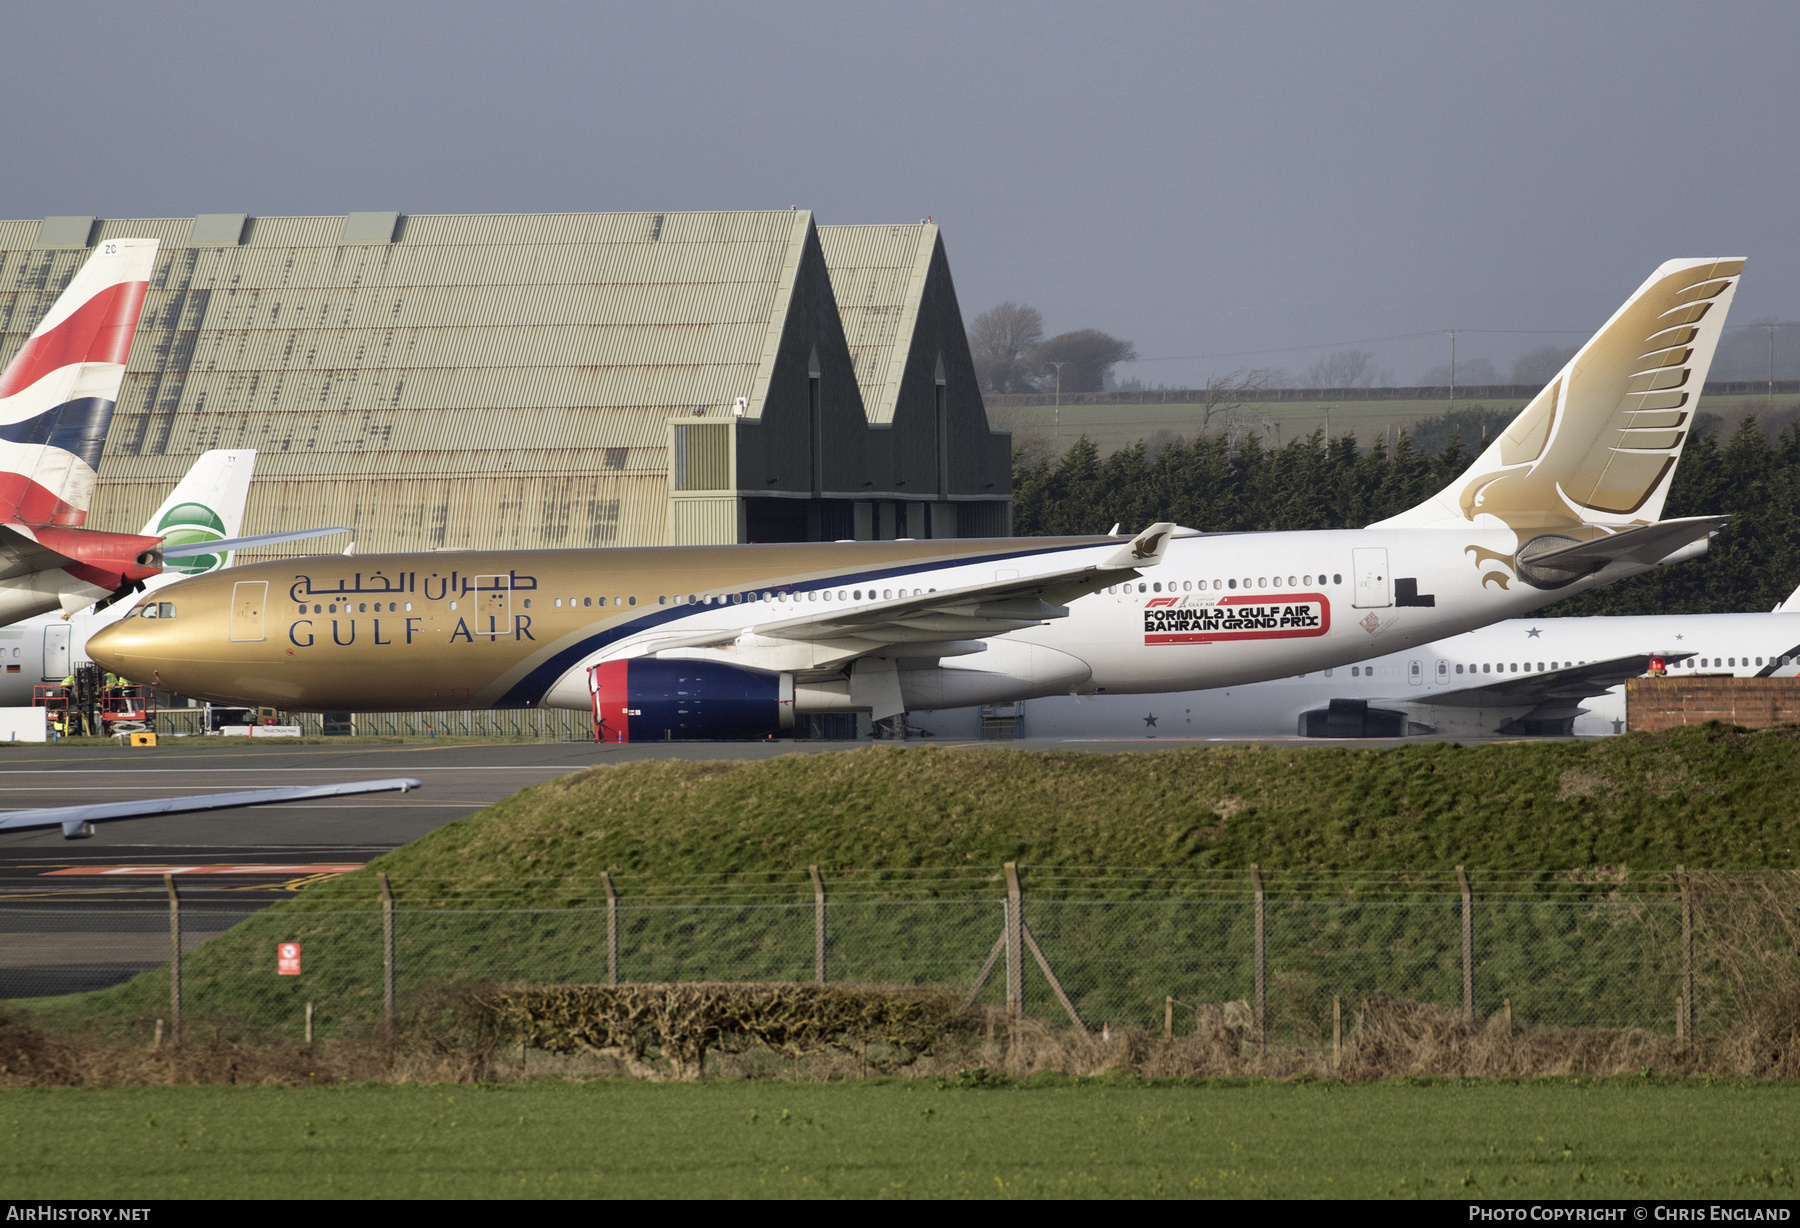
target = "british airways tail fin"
x: 58, y: 392
x: 1595, y: 451
x: 206, y: 506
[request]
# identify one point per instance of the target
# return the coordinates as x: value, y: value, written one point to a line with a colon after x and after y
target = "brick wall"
x: 1653, y: 704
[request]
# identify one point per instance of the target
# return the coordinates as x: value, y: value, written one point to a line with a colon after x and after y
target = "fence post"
x: 612, y: 929
x: 1015, y: 955
x: 387, y: 952
x: 1684, y: 1009
x: 1468, y: 946
x: 174, y: 959
x: 1168, y: 1018
x: 1256, y: 886
x: 1337, y: 1030
x: 818, y: 924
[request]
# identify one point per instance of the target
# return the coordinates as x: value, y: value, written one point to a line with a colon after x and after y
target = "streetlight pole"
x: 1452, y: 366
x: 1059, y: 366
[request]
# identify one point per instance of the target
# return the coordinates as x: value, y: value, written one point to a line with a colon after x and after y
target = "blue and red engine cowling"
x: 651, y: 700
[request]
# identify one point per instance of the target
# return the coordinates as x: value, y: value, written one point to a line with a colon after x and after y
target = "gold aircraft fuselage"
x: 403, y: 632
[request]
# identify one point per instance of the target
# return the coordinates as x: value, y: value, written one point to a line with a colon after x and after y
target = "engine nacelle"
x: 650, y: 700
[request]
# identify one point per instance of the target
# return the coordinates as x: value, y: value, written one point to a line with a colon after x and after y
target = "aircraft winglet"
x: 1146, y: 549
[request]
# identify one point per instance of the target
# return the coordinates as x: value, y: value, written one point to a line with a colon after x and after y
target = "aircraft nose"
x: 104, y: 646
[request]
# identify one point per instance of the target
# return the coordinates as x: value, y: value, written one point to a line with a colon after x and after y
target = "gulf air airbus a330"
x: 734, y: 641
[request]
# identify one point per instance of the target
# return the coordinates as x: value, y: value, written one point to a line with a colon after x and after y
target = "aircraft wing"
x: 20, y: 555
x: 952, y: 615
x: 78, y: 822
x: 1576, y: 682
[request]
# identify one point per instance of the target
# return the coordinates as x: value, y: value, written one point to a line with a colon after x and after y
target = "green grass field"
x: 1051, y: 1138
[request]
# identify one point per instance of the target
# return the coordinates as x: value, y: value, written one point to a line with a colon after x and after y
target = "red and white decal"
x: 1200, y: 620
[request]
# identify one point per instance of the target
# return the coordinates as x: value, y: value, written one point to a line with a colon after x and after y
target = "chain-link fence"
x: 1283, y: 965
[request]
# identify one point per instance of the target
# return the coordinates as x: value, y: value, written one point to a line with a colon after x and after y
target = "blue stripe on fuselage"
x: 77, y: 426
x: 530, y: 690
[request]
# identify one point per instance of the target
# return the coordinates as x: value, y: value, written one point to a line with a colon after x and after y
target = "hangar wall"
x: 494, y: 381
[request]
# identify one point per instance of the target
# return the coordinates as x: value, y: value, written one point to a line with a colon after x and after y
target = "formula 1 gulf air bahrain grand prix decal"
x: 1206, y: 620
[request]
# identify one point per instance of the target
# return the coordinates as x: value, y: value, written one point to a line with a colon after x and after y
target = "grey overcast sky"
x: 1204, y: 179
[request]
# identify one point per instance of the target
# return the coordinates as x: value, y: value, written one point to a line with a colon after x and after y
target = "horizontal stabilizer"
x: 1557, y: 558
x: 248, y: 543
x: 23, y: 555
x: 77, y: 821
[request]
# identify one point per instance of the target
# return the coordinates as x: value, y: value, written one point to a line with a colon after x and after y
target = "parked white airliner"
x: 1551, y: 676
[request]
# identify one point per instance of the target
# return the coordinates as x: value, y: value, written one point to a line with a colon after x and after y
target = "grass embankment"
x: 1709, y: 796
x: 1048, y: 1138
x: 1134, y: 869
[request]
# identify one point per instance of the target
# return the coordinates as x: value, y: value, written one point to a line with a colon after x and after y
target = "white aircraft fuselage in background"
x: 1431, y: 686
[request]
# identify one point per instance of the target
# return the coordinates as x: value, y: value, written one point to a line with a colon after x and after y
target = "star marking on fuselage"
x: 1532, y: 634
x: 1150, y: 720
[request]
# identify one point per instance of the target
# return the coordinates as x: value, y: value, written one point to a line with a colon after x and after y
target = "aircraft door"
x: 1374, y: 583
x: 248, y: 597
x: 56, y: 653
x: 1415, y: 673
x: 493, y: 610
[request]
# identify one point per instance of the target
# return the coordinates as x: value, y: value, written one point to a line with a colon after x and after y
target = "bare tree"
x: 1469, y: 373
x: 1004, y: 341
x: 1344, y: 369
x: 1087, y: 356
x: 1224, y: 393
x: 1540, y: 366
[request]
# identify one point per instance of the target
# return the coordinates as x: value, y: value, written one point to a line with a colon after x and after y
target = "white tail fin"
x: 207, y: 505
x: 1596, y: 449
x: 58, y: 392
x: 1791, y: 605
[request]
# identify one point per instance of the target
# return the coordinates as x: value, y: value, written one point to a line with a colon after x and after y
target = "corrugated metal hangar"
x: 501, y: 381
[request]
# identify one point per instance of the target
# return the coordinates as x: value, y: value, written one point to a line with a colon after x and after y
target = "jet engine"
x: 650, y: 700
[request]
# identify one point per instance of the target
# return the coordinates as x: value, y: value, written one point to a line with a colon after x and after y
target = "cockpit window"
x: 165, y: 609
x: 148, y: 611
